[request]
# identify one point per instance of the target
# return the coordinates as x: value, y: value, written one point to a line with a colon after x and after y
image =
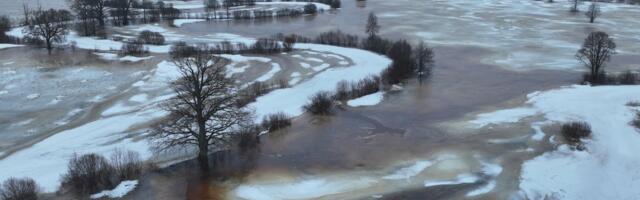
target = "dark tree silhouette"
x: 593, y: 12
x: 574, y: 7
x: 595, y: 52
x: 203, y: 112
x: 49, y: 25
x: 423, y: 56
x: 372, y: 25
x: 5, y: 25
x: 403, y: 65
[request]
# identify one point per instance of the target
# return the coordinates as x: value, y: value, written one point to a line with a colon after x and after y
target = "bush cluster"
x: 133, y: 48
x: 350, y: 90
x: 19, y: 189
x: 320, y: 104
x: 624, y: 78
x: 150, y: 37
x: 276, y: 121
x: 92, y: 173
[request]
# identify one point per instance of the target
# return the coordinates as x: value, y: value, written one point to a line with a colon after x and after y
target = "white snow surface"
x: 180, y: 22
x: 369, y: 100
x: 120, y: 191
x: 4, y: 46
x: 410, y: 171
x: 608, y: 169
x: 291, y: 100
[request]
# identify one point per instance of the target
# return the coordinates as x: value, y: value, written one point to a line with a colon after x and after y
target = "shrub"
x: 248, y: 137
x: 288, y: 42
x: 88, y: 174
x: 320, y: 104
x: 126, y: 165
x: 310, y: 9
x: 251, y: 92
x: 182, y: 50
x: 133, y: 48
x: 636, y: 121
x: 276, y: 121
x: 628, y: 78
x: 346, y: 90
x: 19, y: 189
x: 633, y: 104
x: 150, y: 37
x: 574, y: 132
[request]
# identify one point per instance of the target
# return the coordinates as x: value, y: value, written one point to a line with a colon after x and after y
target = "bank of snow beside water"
x: 608, y: 169
x: 291, y: 100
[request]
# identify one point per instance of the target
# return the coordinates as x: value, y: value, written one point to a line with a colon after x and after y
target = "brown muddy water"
x: 405, y: 127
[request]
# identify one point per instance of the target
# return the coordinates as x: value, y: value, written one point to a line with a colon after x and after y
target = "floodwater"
x: 478, y: 45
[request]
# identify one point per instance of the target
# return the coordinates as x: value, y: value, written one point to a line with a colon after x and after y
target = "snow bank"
x: 290, y: 100
x: 303, y: 189
x: 460, y: 179
x: 120, y: 191
x: 369, y: 100
x: 408, y: 172
x: 608, y: 169
x: 180, y: 22
x: 319, y: 6
x: 4, y: 46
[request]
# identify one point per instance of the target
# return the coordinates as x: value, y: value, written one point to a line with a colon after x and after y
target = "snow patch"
x: 120, y: 191
x: 369, y: 100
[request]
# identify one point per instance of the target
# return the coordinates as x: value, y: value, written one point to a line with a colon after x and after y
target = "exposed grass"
x: 574, y: 132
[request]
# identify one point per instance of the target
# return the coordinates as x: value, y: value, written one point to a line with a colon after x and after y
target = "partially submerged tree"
x: 423, y: 56
x: 203, y: 112
x: 372, y: 27
x: 595, y: 52
x: 574, y: 7
x: 50, y: 26
x: 403, y: 65
x: 121, y: 11
x: 593, y: 12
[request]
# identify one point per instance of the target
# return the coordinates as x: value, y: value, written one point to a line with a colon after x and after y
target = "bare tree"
x: 49, y: 25
x: 121, y: 10
x: 372, y: 25
x: 574, y: 7
x: 203, y: 112
x: 423, y: 56
x: 595, y: 52
x: 593, y: 12
x: 212, y: 6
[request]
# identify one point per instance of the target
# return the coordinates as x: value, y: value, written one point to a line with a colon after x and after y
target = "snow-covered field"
x: 608, y: 169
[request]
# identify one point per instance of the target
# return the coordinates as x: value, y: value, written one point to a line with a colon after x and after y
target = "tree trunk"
x: 203, y: 157
x: 49, y: 46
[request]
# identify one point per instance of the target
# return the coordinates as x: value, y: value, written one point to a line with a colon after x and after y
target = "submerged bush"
x: 126, y: 165
x: 574, y: 132
x: 276, y: 121
x: 133, y: 48
x: 320, y: 104
x: 88, y: 174
x: 248, y: 137
x: 19, y: 189
x: 310, y: 8
x: 150, y: 37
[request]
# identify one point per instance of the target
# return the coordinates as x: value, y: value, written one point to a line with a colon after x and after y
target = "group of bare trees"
x: 595, y: 52
x: 592, y: 13
x: 49, y: 25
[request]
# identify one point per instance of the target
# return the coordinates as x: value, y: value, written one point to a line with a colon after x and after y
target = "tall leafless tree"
x: 593, y: 12
x: 49, y: 25
x: 423, y: 56
x: 595, y: 52
x: 203, y: 112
